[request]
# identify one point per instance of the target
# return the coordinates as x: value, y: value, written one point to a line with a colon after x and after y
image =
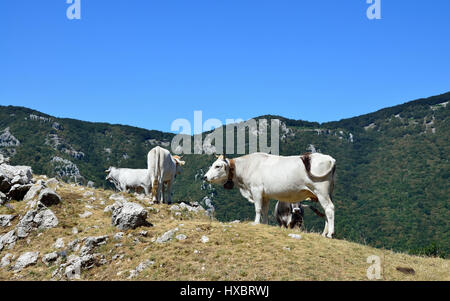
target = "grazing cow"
x: 261, y: 177
x: 126, y: 178
x: 163, y: 168
x: 290, y: 215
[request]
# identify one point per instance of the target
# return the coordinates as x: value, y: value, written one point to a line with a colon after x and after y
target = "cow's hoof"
x: 330, y: 236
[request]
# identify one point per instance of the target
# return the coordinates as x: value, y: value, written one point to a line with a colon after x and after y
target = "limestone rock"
x: 48, y: 197
x: 129, y: 215
x: 6, y: 260
x: 41, y: 218
x: 52, y: 184
x: 59, y: 244
x: 166, y: 236
x: 25, y: 260
x: 18, y: 191
x: 5, y: 220
x: 33, y: 192
x: 50, y: 258
x: 295, y: 236
x: 8, y: 240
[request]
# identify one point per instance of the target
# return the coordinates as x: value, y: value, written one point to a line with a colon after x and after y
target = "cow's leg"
x: 325, y: 229
x: 327, y: 205
x: 265, y: 211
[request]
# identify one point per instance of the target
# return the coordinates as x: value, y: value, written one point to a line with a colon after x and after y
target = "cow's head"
x: 297, y: 209
x: 179, y: 163
x: 109, y: 172
x: 218, y: 173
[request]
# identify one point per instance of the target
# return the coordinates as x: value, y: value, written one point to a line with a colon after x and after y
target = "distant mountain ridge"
x: 392, y: 177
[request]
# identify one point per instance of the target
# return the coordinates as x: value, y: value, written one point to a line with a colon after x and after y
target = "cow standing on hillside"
x: 162, y: 168
x: 261, y: 177
x: 127, y: 178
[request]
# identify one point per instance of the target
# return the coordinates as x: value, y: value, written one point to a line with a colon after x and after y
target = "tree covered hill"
x: 392, y: 177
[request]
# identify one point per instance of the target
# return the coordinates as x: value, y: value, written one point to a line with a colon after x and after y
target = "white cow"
x: 163, y: 168
x: 126, y: 178
x: 262, y: 177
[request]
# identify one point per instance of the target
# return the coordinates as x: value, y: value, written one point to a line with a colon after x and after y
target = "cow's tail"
x: 317, y: 212
x: 156, y: 176
x: 306, y: 159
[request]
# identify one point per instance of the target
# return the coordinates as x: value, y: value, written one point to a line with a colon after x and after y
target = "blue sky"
x: 147, y: 63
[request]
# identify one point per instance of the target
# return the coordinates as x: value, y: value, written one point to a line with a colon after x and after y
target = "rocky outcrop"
x: 18, y: 192
x: 66, y: 169
x: 5, y: 220
x: 127, y: 215
x: 50, y: 258
x: 3, y: 159
x: 33, y: 191
x: 36, y: 219
x: 86, y: 260
x: 166, y: 237
x: 25, y: 260
x: 8, y: 240
x: 49, y: 198
x: 140, y: 268
x: 7, y: 139
x: 12, y: 175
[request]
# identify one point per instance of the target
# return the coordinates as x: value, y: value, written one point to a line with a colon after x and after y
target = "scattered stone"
x: 129, y: 215
x: 74, y: 230
x: 90, y: 184
x: 5, y: 220
x: 59, y: 244
x: 50, y: 258
x: 88, y: 194
x: 143, y: 233
x: 25, y: 260
x: 33, y: 192
x: 6, y: 260
x: 174, y: 208
x: 117, y: 198
x: 109, y: 208
x: 74, y: 245
x: 91, y: 242
x: 205, y: 239
x: 235, y: 222
x: 295, y: 236
x: 52, y: 184
x: 194, y: 208
x: 166, y: 236
x: 86, y: 214
x: 8, y: 240
x: 140, y: 268
x: 41, y: 218
x: 119, y: 236
x: 181, y: 237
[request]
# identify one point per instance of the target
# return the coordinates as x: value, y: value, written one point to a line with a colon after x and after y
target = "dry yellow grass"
x: 234, y: 251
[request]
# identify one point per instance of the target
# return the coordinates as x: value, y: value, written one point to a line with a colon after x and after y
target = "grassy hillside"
x: 392, y: 177
x: 235, y: 251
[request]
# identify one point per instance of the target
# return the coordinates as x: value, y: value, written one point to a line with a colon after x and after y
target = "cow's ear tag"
x: 229, y: 185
